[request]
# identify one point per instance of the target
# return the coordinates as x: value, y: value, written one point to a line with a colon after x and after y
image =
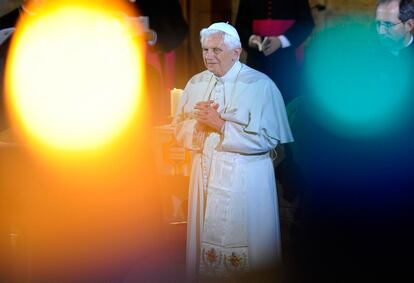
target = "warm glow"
x: 78, y: 191
x: 74, y: 76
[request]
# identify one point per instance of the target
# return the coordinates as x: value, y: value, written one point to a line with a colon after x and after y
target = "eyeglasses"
x: 386, y: 25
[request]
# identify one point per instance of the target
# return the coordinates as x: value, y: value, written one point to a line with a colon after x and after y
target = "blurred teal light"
x: 356, y: 88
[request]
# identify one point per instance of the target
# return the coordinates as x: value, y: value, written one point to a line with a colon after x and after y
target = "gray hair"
x: 406, y: 8
x: 229, y: 40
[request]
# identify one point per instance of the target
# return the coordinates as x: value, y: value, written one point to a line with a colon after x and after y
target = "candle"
x: 175, y: 96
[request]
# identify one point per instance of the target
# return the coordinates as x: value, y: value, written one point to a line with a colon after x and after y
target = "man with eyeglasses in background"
x: 394, y: 22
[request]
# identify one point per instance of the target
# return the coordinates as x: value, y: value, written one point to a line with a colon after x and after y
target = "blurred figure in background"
x: 9, y: 13
x: 166, y: 19
x: 5, y: 38
x: 14, y: 10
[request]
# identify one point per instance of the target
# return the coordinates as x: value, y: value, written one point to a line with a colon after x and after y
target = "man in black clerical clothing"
x: 394, y: 22
x: 273, y: 33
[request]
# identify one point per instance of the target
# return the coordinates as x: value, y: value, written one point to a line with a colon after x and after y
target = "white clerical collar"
x: 409, y: 43
x: 231, y: 74
x: 396, y: 52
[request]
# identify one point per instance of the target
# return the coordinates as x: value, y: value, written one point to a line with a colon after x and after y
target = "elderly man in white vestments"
x: 232, y: 117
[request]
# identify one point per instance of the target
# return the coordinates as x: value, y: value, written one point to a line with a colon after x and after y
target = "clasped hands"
x: 207, y: 116
x: 268, y: 46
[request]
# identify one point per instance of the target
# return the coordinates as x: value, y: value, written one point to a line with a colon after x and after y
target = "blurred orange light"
x: 74, y: 76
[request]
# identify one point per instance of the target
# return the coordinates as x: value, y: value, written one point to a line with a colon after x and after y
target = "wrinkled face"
x: 393, y: 33
x: 218, y: 58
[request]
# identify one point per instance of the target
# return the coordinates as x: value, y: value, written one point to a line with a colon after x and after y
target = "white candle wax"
x: 175, y: 96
